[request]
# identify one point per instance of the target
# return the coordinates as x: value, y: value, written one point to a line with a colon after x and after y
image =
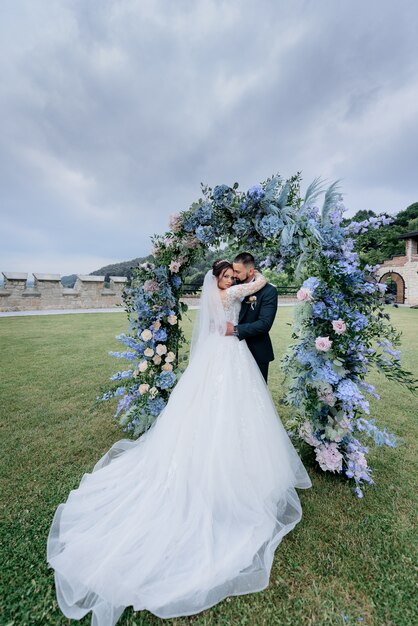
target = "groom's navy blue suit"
x: 255, y: 322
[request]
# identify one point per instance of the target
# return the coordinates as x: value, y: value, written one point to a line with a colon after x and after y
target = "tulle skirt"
x: 189, y: 513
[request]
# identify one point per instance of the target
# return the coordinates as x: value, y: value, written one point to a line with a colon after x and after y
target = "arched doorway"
x: 396, y: 286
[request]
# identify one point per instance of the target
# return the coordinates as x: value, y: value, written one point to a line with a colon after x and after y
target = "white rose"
x: 149, y: 352
x: 143, y: 366
x: 172, y: 319
x: 170, y: 357
x: 146, y: 335
x: 161, y: 349
x: 157, y: 359
x: 153, y: 392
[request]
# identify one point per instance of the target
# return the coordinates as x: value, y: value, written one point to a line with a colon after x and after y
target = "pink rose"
x: 143, y: 388
x: 323, y: 344
x: 339, y: 326
x: 157, y: 359
x: 167, y: 367
x: 304, y: 295
x: 143, y: 366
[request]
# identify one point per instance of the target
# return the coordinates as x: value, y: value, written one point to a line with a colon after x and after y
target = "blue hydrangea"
x: 176, y: 281
x: 326, y: 373
x: 256, y: 193
x: 120, y: 391
x: 221, y: 193
x: 269, y: 226
x: 204, y: 213
x: 160, y: 334
x: 358, y: 321
x: 155, y: 406
x: 311, y: 283
x: 241, y: 227
x: 205, y: 234
x: 319, y: 310
x: 166, y: 380
x: 189, y: 224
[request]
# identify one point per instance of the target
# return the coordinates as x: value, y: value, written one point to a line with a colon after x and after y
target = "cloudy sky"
x: 114, y: 111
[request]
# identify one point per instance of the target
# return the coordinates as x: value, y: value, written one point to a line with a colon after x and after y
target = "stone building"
x: 403, y: 270
x: 89, y: 292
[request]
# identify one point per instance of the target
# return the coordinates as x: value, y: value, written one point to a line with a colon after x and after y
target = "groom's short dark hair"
x: 245, y: 258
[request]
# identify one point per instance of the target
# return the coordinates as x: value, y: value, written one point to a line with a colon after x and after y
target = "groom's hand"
x: 229, y: 328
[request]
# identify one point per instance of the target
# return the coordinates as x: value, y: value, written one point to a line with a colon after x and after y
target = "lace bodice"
x: 233, y: 296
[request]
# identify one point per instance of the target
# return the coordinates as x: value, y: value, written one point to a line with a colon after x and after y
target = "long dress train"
x: 194, y: 509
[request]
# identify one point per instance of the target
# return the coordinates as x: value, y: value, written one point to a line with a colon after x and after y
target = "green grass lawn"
x: 349, y: 561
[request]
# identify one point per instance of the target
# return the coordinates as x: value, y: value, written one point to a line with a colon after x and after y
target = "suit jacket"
x: 254, y: 324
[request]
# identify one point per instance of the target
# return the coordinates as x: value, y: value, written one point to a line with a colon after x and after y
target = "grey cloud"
x: 117, y: 111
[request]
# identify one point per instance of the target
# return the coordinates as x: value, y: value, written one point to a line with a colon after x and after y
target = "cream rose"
x: 172, y: 319
x: 157, y: 359
x: 143, y: 366
x: 149, y: 352
x: 167, y: 367
x: 156, y: 325
x: 146, y: 335
x: 170, y: 357
x: 161, y: 349
x: 143, y: 388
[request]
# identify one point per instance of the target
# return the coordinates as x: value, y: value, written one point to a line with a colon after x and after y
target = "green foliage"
x: 376, y: 245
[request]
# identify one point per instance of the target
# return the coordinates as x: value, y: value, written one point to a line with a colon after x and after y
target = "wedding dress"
x: 193, y: 510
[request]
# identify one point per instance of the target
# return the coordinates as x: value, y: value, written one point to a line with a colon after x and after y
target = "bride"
x: 193, y: 510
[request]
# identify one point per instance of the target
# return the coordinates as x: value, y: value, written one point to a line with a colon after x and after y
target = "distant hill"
x: 115, y: 269
x: 121, y: 269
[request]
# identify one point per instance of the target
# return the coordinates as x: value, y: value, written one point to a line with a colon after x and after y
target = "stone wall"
x: 404, y: 272
x: 48, y: 292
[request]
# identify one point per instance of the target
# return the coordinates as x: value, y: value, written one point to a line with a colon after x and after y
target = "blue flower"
x: 204, y: 213
x: 241, y: 227
x: 256, y: 193
x: 176, y: 280
x: 311, y: 283
x: 205, y: 234
x: 155, y: 406
x: 269, y: 226
x: 160, y: 334
x: 120, y: 375
x: 166, y: 380
x: 319, y: 310
x: 223, y: 195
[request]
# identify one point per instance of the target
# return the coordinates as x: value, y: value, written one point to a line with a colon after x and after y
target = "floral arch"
x: 339, y: 314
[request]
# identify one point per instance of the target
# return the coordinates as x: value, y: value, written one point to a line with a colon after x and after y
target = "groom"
x: 256, y: 316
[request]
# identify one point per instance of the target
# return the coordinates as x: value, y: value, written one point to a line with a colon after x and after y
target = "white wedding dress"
x: 193, y: 510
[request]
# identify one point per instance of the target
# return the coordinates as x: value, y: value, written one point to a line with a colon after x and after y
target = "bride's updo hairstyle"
x: 219, y: 267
